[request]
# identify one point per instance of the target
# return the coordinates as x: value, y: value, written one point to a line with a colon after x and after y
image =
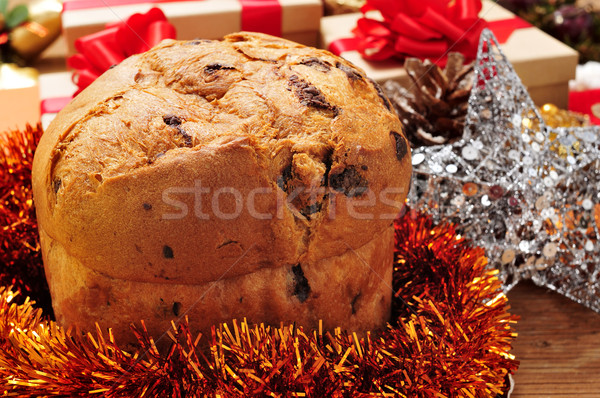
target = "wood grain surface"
x: 558, y: 345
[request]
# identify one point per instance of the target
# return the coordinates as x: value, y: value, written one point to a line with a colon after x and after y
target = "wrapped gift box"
x: 544, y: 64
x: 56, y: 89
x: 19, y: 97
x: 205, y: 19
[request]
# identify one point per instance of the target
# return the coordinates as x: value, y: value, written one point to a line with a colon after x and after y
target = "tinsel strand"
x: 20, y: 257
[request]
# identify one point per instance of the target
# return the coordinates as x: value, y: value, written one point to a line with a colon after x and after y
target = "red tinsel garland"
x: 450, y: 333
x: 20, y: 257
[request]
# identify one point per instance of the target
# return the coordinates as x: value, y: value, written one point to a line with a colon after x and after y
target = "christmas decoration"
x: 554, y: 117
x: 527, y: 193
x: 450, y: 336
x: 335, y: 7
x: 20, y: 257
x: 100, y: 51
x: 433, y: 107
x: 27, y: 30
x: 40, y: 30
x: 421, y: 29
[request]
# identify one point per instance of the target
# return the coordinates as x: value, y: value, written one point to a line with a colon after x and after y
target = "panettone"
x: 251, y: 177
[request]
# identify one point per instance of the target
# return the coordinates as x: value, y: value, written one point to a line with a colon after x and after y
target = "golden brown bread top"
x: 281, y: 135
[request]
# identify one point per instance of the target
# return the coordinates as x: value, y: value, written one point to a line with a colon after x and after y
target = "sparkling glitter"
x: 550, y: 108
x: 549, y: 250
x: 547, y: 212
x: 508, y: 256
x: 550, y: 193
x: 496, y: 192
x: 539, y: 137
x: 458, y: 201
x: 549, y: 222
x: 436, y: 168
x: 470, y: 189
x: 417, y: 159
x: 516, y: 119
x: 451, y: 168
x: 485, y: 201
x: 588, y: 137
x: 478, y: 145
x: 470, y: 152
x: 589, y: 246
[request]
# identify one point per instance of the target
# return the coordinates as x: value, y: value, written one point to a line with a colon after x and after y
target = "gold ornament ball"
x: 43, y: 27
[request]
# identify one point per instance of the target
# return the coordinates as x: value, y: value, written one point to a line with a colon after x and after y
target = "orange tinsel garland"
x: 450, y: 336
x: 20, y: 257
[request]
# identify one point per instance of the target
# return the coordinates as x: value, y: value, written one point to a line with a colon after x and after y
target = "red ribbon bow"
x: 100, y: 51
x: 424, y: 29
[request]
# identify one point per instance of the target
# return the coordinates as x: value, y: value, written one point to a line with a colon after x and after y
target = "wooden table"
x: 558, y: 345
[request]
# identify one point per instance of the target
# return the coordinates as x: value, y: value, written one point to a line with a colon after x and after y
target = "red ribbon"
x: 100, y: 51
x: 261, y: 16
x: 503, y: 28
x: 423, y: 29
x: 54, y: 105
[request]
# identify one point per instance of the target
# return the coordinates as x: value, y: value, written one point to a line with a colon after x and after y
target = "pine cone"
x: 434, y: 107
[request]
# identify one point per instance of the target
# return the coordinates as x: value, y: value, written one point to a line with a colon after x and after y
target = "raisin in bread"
x: 250, y: 177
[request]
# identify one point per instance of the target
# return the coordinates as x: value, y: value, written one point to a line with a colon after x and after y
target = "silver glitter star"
x: 527, y: 193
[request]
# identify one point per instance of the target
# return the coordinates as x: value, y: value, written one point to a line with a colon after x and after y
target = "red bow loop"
x: 375, y: 39
x: 406, y: 26
x: 141, y: 32
x: 100, y: 51
x: 427, y: 28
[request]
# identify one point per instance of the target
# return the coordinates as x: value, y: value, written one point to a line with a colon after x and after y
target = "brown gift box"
x: 202, y: 19
x: 544, y: 64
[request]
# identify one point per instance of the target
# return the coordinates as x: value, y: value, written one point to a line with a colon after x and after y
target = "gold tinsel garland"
x: 450, y: 335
